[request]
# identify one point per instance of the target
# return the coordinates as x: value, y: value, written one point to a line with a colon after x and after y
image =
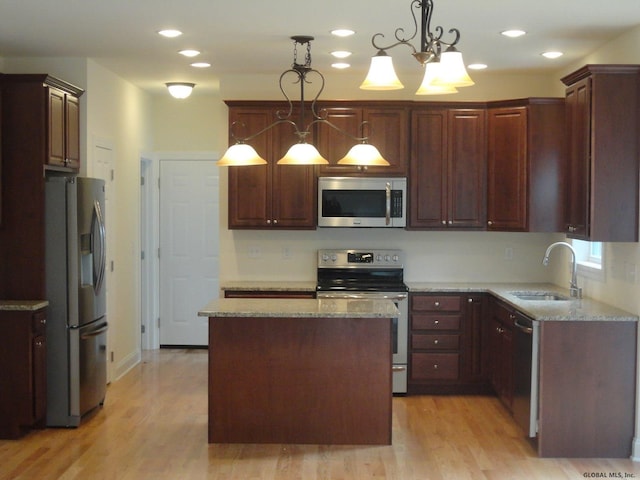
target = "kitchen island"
x: 300, y: 371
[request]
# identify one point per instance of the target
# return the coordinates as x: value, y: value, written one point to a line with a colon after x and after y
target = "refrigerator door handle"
x: 100, y: 270
x: 94, y: 333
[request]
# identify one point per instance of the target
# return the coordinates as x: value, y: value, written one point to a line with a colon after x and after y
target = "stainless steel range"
x: 370, y: 274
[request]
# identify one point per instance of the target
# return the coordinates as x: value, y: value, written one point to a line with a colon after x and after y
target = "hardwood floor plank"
x: 154, y: 426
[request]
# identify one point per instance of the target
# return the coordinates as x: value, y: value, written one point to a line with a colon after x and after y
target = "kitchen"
x: 159, y: 124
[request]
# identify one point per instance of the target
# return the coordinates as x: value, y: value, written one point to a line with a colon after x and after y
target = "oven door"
x: 400, y: 329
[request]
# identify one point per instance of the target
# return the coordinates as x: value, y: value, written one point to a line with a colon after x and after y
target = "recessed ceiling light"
x: 477, y: 66
x: 513, y: 33
x: 201, y: 65
x: 340, y: 65
x: 552, y: 54
x: 189, y: 53
x: 170, y: 33
x: 342, y: 32
x: 341, y: 54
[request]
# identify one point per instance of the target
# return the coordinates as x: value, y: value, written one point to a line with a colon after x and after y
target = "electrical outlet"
x: 631, y: 272
x: 286, y: 252
x: 255, y: 252
x: 508, y: 253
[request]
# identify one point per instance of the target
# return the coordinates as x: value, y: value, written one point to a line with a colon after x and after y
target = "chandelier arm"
x: 324, y: 121
x: 260, y: 132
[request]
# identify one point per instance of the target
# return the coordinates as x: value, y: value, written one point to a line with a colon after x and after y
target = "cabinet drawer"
x: 435, y: 366
x: 435, y: 342
x: 436, y: 303
x: 435, y: 322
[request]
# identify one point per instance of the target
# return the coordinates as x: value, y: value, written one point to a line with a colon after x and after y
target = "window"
x: 589, y: 256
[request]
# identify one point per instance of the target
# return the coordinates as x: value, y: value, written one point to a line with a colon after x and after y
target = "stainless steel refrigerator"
x: 76, y: 291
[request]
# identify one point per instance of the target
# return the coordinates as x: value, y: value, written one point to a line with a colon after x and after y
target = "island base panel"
x: 300, y: 380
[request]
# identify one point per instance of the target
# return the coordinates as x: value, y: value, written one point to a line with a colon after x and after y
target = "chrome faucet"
x: 574, y: 290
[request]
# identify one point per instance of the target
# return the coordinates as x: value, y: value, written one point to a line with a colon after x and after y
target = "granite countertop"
x: 299, y: 308
x: 23, y: 305
x: 270, y: 286
x: 583, y: 309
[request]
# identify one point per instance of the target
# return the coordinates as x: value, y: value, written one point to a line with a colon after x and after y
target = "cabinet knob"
x: 268, y: 222
x: 470, y: 300
x: 275, y: 222
x: 437, y: 304
x: 490, y: 223
x: 436, y: 322
x: 436, y: 341
x: 450, y: 222
x: 444, y: 222
x: 435, y: 366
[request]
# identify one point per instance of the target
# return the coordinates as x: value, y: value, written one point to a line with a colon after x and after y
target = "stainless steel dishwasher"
x: 525, y: 395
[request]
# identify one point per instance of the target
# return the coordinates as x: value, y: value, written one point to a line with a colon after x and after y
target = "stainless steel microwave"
x: 362, y: 202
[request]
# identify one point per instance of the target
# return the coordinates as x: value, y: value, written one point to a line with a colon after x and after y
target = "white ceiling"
x: 247, y: 36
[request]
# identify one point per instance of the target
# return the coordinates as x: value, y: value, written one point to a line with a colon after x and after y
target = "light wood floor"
x: 154, y: 426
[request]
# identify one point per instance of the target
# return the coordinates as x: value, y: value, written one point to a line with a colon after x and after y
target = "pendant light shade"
x: 363, y: 154
x: 452, y: 70
x: 431, y: 72
x: 302, y: 154
x: 240, y: 154
x: 382, y: 75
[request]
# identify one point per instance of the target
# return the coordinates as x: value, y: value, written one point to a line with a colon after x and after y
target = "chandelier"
x: 302, y: 152
x: 444, y: 70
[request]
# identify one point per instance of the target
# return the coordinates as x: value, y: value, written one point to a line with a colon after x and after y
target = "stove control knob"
x: 396, y: 258
x: 334, y: 257
x: 387, y: 258
x: 378, y: 258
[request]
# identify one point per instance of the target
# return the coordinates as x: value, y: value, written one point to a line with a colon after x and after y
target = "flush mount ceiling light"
x: 180, y: 89
x: 513, y: 33
x: 301, y: 153
x: 189, y: 53
x: 552, y: 55
x: 450, y: 74
x: 170, y: 33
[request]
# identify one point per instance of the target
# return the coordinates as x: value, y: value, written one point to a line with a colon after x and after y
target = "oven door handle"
x: 360, y: 296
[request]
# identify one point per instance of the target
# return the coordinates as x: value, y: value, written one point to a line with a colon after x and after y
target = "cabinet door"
x: 427, y: 173
x: 507, y: 169
x: 293, y: 187
x: 466, y: 175
x: 334, y: 145
x: 72, y: 131
x: 56, y: 150
x: 249, y: 189
x: 474, y: 346
x: 578, y: 108
x: 388, y: 128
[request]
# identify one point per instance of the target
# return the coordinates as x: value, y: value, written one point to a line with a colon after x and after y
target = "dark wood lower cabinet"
x: 446, y: 338
x: 587, y: 389
x: 23, y: 379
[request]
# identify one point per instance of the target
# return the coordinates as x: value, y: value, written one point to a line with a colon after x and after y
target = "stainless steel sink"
x: 540, y: 296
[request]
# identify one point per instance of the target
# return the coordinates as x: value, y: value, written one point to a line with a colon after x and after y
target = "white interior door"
x: 189, y: 262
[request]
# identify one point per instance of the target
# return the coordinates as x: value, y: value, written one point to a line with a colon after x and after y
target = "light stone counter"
x: 22, y: 305
x: 270, y: 286
x: 299, y: 308
x: 583, y: 309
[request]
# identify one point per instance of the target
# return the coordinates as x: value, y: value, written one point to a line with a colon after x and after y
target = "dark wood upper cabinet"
x: 526, y: 165
x: 602, y: 121
x: 386, y: 126
x: 269, y: 196
x: 448, y: 168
